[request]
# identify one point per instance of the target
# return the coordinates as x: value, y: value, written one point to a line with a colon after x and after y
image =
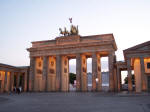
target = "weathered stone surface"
x: 78, y: 72
x: 111, y: 71
x: 75, y: 46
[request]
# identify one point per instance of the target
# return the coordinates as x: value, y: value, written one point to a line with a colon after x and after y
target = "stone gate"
x: 49, y: 62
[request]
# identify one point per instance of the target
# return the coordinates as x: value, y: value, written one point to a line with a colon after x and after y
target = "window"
x: 148, y: 65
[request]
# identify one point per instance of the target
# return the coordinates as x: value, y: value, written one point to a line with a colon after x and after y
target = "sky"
x: 24, y: 21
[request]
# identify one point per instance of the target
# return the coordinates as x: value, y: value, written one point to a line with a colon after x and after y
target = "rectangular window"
x: 148, y: 65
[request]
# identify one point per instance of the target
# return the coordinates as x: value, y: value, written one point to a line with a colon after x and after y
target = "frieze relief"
x: 68, y: 39
x: 39, y: 71
x: 84, y: 69
x: 51, y: 71
x: 65, y: 70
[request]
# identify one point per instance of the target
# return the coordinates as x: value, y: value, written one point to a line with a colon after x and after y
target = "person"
x: 14, y: 90
x: 20, y: 89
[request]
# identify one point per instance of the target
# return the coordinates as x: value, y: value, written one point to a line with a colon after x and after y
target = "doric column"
x: 5, y: 82
x: 78, y: 72
x: 130, y: 88
x: 115, y: 74
x: 64, y: 74
x: 25, y: 80
x: 51, y: 79
x: 45, y: 72
x: 99, y: 74
x: 58, y: 73
x: 94, y: 71
x: 83, y: 73
x: 119, y: 79
x: 143, y: 75
x: 111, y: 71
x: 11, y: 81
x: 32, y: 74
x: 137, y: 73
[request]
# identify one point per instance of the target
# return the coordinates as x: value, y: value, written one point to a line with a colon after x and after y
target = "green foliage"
x: 72, y: 77
x: 126, y: 80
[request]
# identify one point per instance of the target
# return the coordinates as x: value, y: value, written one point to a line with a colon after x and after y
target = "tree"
x: 126, y: 80
x: 72, y: 77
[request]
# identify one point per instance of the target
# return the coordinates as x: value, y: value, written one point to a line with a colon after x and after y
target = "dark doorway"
x: 148, y: 78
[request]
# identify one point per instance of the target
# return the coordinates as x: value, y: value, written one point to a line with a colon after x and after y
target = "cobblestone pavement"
x: 75, y: 102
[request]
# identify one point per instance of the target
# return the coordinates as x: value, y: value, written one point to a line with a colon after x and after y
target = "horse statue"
x: 65, y: 32
x: 74, y: 30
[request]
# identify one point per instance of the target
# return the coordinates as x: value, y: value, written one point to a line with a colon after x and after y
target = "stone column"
x: 130, y: 88
x: 83, y: 74
x: 58, y: 73
x: 143, y: 75
x: 99, y: 74
x: 115, y: 75
x: 64, y: 74
x: 137, y: 73
x: 11, y: 81
x: 111, y: 71
x: 25, y: 80
x: 115, y: 80
x: 5, y: 82
x: 96, y: 72
x: 45, y: 72
x: 51, y: 79
x: 32, y: 74
x: 78, y: 72
x: 119, y: 79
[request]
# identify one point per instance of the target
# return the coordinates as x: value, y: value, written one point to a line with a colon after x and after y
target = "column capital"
x: 141, y: 58
x: 128, y: 58
x: 128, y: 62
x: 111, y: 53
x: 78, y: 54
x: 45, y: 57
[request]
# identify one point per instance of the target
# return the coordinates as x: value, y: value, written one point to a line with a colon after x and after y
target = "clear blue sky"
x: 23, y: 21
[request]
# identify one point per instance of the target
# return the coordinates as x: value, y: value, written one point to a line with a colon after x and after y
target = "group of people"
x: 17, y: 90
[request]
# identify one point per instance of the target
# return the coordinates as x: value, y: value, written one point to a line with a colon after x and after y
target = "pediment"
x: 144, y: 48
x: 140, y: 47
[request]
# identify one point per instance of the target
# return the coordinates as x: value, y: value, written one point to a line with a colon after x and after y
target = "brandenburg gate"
x: 49, y: 65
x: 49, y: 62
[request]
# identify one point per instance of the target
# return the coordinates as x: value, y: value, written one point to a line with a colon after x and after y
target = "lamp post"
x: 96, y: 83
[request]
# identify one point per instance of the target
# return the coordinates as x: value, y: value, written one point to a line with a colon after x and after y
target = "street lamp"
x: 96, y: 83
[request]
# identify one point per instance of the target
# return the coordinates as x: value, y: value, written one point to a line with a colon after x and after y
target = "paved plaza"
x: 75, y: 102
